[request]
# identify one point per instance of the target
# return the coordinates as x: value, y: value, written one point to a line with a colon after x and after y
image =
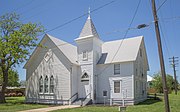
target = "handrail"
x: 87, y: 95
x: 73, y: 96
x: 82, y: 102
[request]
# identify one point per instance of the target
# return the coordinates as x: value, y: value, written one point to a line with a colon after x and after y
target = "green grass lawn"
x: 149, y: 105
x: 16, y: 104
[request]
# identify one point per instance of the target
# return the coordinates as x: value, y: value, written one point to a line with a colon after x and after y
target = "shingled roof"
x: 88, y: 30
x: 120, y: 50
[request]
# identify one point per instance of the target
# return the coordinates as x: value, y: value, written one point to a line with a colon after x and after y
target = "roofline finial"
x: 89, y: 13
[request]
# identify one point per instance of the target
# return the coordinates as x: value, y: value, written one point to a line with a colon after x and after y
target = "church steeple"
x: 89, y: 29
x: 89, y: 13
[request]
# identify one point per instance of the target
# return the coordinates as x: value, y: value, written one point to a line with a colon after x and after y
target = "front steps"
x: 82, y: 101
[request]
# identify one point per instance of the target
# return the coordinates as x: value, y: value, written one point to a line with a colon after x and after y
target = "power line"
x: 72, y: 20
x: 161, y: 5
x: 133, y: 28
x: 161, y: 58
x: 139, y: 26
x: 171, y: 18
x: 163, y: 36
x: 37, y: 6
x: 28, y: 3
x: 34, y: 15
x: 172, y: 22
x: 124, y: 35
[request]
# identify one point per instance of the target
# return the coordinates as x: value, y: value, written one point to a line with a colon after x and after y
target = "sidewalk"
x: 51, y: 108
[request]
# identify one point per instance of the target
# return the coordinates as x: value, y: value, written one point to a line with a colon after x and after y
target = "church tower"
x: 89, y: 48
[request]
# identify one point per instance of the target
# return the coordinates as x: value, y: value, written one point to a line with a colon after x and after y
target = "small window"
x: 85, y: 77
x: 137, y: 87
x: 142, y: 87
x: 48, y: 55
x: 51, y: 84
x: 116, y: 86
x: 116, y: 69
x: 85, y: 55
x: 46, y: 85
x: 104, y: 93
x: 141, y: 52
x: 40, y: 84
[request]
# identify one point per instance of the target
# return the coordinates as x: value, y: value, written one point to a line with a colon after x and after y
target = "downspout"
x: 70, y: 82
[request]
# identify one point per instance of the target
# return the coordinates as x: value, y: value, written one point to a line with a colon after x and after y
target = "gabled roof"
x: 70, y: 51
x: 127, y: 50
x: 88, y: 30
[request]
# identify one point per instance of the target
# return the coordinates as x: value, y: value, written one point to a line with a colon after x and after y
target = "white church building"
x: 93, y: 71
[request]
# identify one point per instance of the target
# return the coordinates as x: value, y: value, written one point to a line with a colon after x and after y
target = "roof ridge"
x: 59, y: 40
x: 124, y: 39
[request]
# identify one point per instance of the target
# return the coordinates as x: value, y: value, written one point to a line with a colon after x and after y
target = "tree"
x: 23, y: 83
x: 16, y: 41
x: 157, y: 82
x: 13, y: 78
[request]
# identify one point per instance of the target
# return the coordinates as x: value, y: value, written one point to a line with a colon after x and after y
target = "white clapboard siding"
x: 58, y: 66
x: 106, y: 77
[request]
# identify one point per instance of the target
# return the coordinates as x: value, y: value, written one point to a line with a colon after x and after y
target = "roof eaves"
x: 33, y: 53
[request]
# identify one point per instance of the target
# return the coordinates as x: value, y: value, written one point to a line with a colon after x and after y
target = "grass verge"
x: 15, y: 104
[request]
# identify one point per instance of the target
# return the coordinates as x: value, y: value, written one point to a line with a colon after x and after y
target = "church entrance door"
x: 84, y: 89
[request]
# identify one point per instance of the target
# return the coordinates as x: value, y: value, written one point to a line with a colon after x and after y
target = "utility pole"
x: 174, y: 63
x: 163, y: 73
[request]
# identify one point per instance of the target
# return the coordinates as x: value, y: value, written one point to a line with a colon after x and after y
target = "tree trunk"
x: 4, y: 85
x: 2, y: 97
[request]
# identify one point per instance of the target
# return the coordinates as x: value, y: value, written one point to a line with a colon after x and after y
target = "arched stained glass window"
x: 46, y: 84
x: 40, y: 84
x: 51, y: 84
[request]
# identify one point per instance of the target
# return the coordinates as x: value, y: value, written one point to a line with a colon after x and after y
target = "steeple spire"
x: 89, y: 13
x: 89, y: 29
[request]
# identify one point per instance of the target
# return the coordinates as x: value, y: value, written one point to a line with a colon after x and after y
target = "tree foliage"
x: 13, y: 78
x: 157, y: 82
x: 16, y: 41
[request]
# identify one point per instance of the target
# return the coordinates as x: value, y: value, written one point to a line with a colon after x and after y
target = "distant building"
x: 149, y: 81
x: 93, y: 71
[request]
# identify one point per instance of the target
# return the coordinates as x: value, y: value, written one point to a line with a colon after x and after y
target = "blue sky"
x: 108, y: 20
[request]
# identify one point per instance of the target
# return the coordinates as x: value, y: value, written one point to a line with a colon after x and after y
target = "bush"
x: 19, y: 94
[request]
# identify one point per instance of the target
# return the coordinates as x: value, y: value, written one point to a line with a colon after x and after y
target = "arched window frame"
x: 51, y: 84
x: 41, y: 84
x: 46, y: 85
x: 85, y: 77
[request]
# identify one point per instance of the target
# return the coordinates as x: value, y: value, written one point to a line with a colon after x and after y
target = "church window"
x: 85, y: 55
x: 51, y: 84
x: 104, y: 93
x: 116, y: 86
x: 85, y: 77
x: 137, y: 87
x: 140, y: 52
x: 116, y: 69
x: 46, y: 84
x: 40, y: 84
x: 48, y: 55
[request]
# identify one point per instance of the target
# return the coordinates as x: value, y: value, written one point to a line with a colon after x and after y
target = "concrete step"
x: 82, y: 101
